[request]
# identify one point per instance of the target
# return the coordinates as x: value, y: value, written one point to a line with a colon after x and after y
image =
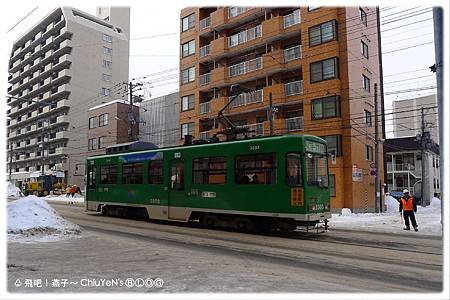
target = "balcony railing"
x: 205, y: 107
x: 294, y: 124
x: 234, y: 11
x: 205, y: 50
x: 245, y: 36
x: 292, y: 53
x: 256, y: 129
x: 400, y: 167
x: 245, y: 67
x: 205, y: 78
x: 205, y: 23
x: 204, y: 135
x: 293, y: 88
x: 291, y: 19
x: 247, y: 98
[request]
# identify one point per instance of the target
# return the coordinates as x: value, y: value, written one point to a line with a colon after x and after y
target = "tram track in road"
x: 322, y: 253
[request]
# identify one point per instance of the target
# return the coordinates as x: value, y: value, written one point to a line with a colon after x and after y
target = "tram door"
x: 177, y: 190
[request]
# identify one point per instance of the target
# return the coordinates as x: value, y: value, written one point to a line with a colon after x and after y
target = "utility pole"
x: 439, y: 65
x: 270, y: 114
x: 423, y: 142
x: 10, y: 160
x: 131, y: 117
x: 378, y: 204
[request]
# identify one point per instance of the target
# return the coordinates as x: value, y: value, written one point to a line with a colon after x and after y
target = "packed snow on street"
x: 32, y: 219
x: 428, y: 219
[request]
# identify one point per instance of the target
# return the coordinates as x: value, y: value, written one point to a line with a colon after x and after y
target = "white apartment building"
x: 63, y: 65
x: 408, y: 118
x: 160, y: 120
x: 404, y: 167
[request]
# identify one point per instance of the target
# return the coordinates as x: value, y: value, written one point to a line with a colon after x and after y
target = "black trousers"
x: 409, y: 215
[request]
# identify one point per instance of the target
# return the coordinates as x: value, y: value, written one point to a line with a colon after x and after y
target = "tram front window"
x: 316, y: 170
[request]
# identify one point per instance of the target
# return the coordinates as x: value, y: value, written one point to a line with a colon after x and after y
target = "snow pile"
x: 13, y: 190
x: 32, y: 218
x: 346, y: 212
x: 428, y: 219
x: 391, y: 204
x: 62, y: 198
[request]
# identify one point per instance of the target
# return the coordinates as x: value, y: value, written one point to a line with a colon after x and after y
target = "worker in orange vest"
x: 409, y: 207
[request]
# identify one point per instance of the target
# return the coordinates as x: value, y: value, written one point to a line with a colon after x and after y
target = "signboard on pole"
x: 357, y: 174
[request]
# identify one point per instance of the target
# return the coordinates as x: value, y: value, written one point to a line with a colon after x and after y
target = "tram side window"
x: 92, y: 172
x: 133, y: 173
x: 256, y: 169
x: 293, y: 170
x: 209, y: 170
x: 108, y: 174
x: 155, y: 171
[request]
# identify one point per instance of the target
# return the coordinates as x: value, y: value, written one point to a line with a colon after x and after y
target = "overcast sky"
x: 408, y: 49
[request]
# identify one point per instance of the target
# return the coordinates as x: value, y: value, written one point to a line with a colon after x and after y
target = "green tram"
x: 269, y: 183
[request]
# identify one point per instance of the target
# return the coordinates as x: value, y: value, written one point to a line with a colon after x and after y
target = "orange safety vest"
x: 408, y: 205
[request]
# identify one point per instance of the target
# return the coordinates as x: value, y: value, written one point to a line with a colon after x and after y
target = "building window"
x: 92, y: 144
x: 187, y: 129
x: 334, y: 144
x: 107, y: 50
x: 188, y: 48
x: 369, y: 153
x: 107, y: 64
x: 332, y: 185
x: 364, y: 49
x: 188, y: 75
x: 293, y: 170
x: 92, y: 122
x: 363, y: 16
x: 101, y: 142
x: 108, y: 174
x: 187, y: 102
x: 106, y: 77
x: 368, y: 117
x: 188, y: 22
x: 155, y: 171
x: 107, y: 38
x: 322, y: 33
x: 209, y: 170
x: 103, y: 120
x: 256, y: 169
x: 366, y: 83
x: 133, y: 173
x: 106, y: 91
x: 324, y: 70
x: 327, y: 107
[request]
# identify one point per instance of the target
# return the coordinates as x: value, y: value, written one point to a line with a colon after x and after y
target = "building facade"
x: 108, y: 125
x: 404, y: 167
x: 305, y: 70
x: 66, y: 63
x: 408, y: 117
x: 160, y: 120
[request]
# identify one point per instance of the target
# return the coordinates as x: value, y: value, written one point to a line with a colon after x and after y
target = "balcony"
x: 293, y: 88
x: 294, y: 124
x: 205, y: 107
x: 205, y: 50
x: 226, y: 17
x: 256, y: 129
x: 205, y: 23
x: 245, y: 67
x: 245, y: 36
x: 291, y: 19
x: 292, y: 53
x: 205, y: 79
x: 235, y: 11
x: 247, y: 98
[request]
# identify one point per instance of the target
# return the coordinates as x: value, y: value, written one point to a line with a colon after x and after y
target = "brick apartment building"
x: 108, y: 125
x: 318, y: 64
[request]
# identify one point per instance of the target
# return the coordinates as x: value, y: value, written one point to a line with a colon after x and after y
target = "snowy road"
x: 201, y: 260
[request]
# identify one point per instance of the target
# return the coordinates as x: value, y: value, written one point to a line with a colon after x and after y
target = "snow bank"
x: 32, y: 219
x: 428, y: 219
x: 12, y: 190
x: 391, y: 204
x: 63, y: 198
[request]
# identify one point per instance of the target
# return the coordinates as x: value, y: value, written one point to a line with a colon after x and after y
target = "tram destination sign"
x: 315, y: 147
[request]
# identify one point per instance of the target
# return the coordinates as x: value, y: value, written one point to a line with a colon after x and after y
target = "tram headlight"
x: 312, y: 207
x: 327, y: 206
